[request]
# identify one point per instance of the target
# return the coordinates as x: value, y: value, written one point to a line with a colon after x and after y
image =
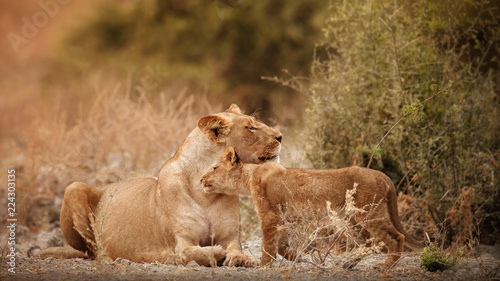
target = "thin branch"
x: 383, y: 138
x: 401, y: 79
x: 401, y: 119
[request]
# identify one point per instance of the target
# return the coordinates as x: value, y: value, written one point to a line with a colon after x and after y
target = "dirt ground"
x: 485, y: 266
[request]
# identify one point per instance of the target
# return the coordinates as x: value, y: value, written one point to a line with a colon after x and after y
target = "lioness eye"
x: 252, y: 128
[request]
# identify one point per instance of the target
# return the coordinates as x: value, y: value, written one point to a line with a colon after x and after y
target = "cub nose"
x: 279, y: 138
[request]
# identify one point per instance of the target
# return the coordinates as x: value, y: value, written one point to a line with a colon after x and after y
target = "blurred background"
x: 99, y: 91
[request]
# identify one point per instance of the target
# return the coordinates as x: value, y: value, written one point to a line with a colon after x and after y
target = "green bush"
x: 433, y: 259
x: 429, y: 68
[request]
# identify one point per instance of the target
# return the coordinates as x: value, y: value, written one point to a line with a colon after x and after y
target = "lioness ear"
x: 215, y: 127
x: 230, y: 155
x: 234, y: 109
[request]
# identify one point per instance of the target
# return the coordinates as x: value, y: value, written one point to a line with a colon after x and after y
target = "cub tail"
x: 392, y: 205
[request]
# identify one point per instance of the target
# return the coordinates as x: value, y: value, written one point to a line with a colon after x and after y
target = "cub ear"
x: 234, y: 109
x: 215, y: 127
x: 229, y: 155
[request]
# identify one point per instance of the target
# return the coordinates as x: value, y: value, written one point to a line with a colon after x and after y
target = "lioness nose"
x: 279, y: 138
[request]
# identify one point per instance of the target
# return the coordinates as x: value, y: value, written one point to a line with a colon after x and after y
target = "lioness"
x: 169, y: 219
x: 275, y: 189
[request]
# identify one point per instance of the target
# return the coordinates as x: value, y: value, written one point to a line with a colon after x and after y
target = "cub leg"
x: 269, y: 225
x: 77, y: 211
x: 283, y: 247
x: 393, y: 239
x: 363, y: 235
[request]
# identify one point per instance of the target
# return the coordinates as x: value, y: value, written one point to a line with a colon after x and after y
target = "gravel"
x: 483, y: 267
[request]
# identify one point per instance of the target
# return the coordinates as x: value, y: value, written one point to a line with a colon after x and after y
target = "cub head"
x: 227, y: 176
x: 252, y: 140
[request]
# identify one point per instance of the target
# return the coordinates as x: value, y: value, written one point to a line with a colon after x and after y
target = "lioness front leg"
x: 235, y: 256
x: 204, y: 256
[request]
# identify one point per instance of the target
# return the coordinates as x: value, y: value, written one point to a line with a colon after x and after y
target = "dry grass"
x: 335, y: 239
x: 123, y: 133
x: 328, y: 240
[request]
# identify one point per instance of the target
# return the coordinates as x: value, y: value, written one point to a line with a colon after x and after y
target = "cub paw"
x: 208, y: 189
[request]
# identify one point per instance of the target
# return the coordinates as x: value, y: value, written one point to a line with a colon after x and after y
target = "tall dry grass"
x: 125, y: 132
x: 331, y: 237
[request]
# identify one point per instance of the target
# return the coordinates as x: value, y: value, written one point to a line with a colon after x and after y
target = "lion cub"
x: 275, y: 189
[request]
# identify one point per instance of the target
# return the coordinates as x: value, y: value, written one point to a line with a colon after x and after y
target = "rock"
x: 123, y: 261
x: 476, y: 272
x: 461, y: 272
x: 34, y: 252
x: 150, y: 267
x: 44, y: 210
x: 492, y: 251
x: 53, y: 238
x: 192, y: 264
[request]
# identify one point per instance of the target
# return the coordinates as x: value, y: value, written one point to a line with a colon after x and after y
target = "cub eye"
x: 215, y: 168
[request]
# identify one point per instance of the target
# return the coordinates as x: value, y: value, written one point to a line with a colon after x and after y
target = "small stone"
x: 476, y: 272
x: 192, y: 264
x: 123, y: 261
x: 461, y: 272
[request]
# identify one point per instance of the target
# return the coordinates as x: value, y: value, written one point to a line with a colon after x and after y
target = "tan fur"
x: 275, y: 189
x: 169, y: 219
x: 58, y: 252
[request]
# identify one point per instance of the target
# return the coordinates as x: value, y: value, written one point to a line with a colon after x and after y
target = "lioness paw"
x: 250, y: 261
x: 218, y: 252
x: 238, y: 259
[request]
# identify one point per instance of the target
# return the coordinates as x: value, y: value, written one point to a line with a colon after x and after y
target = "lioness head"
x: 252, y: 140
x: 227, y: 176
